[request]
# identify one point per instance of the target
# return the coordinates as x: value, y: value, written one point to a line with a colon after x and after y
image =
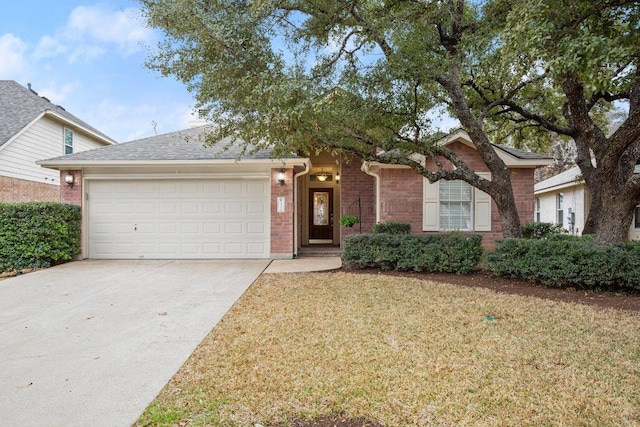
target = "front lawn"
x: 403, y: 351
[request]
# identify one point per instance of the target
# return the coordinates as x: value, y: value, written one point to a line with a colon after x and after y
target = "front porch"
x: 328, y: 189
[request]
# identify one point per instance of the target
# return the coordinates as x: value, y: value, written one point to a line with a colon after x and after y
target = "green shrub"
x: 540, y: 230
x: 349, y: 220
x: 391, y: 227
x: 567, y: 261
x: 450, y: 253
x: 37, y: 235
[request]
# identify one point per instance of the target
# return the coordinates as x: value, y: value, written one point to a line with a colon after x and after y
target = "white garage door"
x: 156, y: 219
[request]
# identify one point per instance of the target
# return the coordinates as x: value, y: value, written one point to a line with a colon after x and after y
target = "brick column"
x: 71, y: 195
x: 282, y: 222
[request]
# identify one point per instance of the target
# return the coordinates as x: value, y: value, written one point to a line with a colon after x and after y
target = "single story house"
x: 167, y: 196
x: 565, y: 199
x: 32, y: 128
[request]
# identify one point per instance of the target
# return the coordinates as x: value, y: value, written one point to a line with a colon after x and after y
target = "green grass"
x: 403, y: 351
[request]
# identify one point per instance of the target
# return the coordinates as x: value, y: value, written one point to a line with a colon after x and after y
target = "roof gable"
x: 512, y: 157
x: 20, y: 107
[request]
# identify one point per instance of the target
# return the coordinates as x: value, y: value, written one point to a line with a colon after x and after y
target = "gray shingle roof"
x: 19, y: 106
x: 521, y: 154
x: 185, y: 145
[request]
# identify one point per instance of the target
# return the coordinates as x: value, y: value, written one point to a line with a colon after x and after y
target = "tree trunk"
x: 509, y: 218
x: 615, y: 220
x: 595, y: 211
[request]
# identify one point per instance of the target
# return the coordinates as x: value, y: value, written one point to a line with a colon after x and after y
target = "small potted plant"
x: 349, y: 220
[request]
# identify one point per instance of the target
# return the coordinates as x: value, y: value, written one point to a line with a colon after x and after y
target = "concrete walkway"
x: 305, y: 264
x: 91, y: 343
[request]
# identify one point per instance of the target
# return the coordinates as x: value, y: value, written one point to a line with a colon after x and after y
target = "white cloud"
x: 12, y: 51
x: 92, y: 31
x: 60, y: 93
x: 126, y: 122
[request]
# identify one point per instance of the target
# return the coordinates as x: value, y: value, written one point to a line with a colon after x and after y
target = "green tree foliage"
x: 353, y: 76
x: 575, y: 60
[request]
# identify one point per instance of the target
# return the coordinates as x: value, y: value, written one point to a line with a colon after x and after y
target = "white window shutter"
x: 482, y: 207
x: 430, y: 212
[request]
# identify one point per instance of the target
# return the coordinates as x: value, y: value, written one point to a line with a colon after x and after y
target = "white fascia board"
x: 106, y: 141
x: 557, y: 187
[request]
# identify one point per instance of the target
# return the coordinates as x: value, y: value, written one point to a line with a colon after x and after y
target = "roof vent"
x: 33, y: 91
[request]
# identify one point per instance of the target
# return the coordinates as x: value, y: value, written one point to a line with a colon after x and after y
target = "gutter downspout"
x: 366, y: 168
x: 307, y: 168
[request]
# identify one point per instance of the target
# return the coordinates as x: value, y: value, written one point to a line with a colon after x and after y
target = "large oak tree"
x: 353, y: 76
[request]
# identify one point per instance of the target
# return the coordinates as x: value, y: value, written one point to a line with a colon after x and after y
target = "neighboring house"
x: 169, y: 197
x: 565, y: 199
x: 32, y: 128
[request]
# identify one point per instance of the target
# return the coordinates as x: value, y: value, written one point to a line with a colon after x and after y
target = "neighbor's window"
x: 560, y: 204
x: 456, y: 198
x: 537, y: 209
x: 68, y: 141
x: 636, y: 218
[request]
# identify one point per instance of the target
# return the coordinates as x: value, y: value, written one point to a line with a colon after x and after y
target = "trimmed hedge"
x: 449, y: 253
x: 540, y: 230
x: 567, y: 261
x: 37, y: 234
x: 392, y: 227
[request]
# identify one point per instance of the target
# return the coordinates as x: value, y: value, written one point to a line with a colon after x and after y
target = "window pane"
x: 68, y: 141
x: 456, y: 199
x: 637, y: 218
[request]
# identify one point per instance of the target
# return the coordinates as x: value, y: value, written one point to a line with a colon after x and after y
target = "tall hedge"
x: 38, y: 234
x: 450, y: 253
x: 567, y: 261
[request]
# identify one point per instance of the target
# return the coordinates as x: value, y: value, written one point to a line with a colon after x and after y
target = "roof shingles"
x: 185, y: 145
x: 19, y: 106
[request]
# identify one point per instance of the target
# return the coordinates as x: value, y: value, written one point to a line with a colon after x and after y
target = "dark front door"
x: 321, y: 215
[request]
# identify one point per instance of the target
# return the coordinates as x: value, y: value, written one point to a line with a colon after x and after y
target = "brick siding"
x: 72, y: 195
x: 14, y: 190
x: 354, y: 184
x: 282, y: 222
x: 401, y: 193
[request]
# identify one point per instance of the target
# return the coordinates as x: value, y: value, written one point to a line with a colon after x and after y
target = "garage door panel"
x: 179, y: 219
x: 256, y: 228
x: 233, y: 188
x: 167, y: 207
x: 233, y: 207
x: 189, y: 208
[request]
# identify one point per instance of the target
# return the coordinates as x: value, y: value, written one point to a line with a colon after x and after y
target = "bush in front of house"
x: 447, y: 253
x: 540, y: 230
x: 391, y: 227
x: 567, y: 261
x: 37, y: 234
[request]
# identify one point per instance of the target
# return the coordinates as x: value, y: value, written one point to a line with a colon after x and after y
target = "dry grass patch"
x: 404, y: 351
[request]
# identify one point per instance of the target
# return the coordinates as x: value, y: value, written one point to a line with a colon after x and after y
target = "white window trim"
x: 64, y: 140
x: 481, y: 214
x: 559, y: 209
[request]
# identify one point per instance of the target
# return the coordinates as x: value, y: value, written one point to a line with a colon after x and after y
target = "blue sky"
x: 89, y: 58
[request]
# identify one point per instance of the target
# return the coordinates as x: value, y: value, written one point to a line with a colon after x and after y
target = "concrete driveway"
x: 91, y: 343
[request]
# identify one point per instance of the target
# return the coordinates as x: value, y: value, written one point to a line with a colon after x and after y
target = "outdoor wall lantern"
x: 337, y: 178
x: 281, y: 177
x: 68, y: 178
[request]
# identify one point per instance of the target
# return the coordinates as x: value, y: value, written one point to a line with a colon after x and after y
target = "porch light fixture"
x: 322, y: 176
x: 68, y: 178
x: 281, y: 177
x: 337, y: 178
